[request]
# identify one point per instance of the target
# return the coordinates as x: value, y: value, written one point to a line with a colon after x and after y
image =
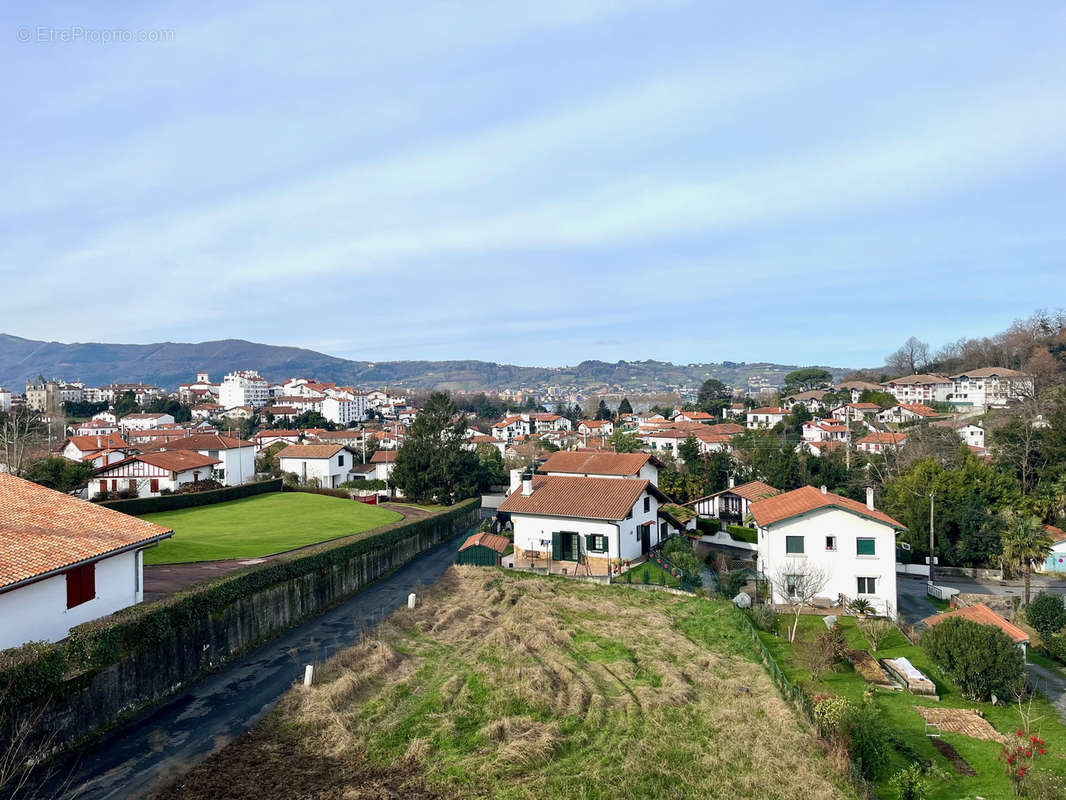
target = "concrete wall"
x: 94, y: 700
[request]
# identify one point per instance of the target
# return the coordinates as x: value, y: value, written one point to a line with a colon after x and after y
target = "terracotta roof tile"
x: 490, y: 540
x: 596, y: 463
x: 311, y: 451
x: 806, y: 499
x: 97, y: 441
x: 42, y: 530
x: 175, y: 461
x: 203, y: 441
x: 982, y: 615
x: 584, y: 498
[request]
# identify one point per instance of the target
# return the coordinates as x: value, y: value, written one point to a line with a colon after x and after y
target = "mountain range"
x: 167, y: 364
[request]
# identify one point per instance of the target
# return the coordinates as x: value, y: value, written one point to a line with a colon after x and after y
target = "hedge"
x: 169, y: 502
x: 34, y: 671
x: 708, y: 526
x: 742, y: 534
x: 343, y: 493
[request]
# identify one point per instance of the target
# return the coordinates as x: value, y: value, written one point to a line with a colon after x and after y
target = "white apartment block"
x: 990, y: 387
x: 244, y: 388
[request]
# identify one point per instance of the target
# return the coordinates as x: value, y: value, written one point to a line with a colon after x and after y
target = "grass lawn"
x: 897, y: 710
x: 260, y: 525
x: 516, y: 686
x: 655, y: 573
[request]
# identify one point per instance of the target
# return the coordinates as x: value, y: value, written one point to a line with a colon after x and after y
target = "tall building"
x: 42, y: 395
x: 244, y: 388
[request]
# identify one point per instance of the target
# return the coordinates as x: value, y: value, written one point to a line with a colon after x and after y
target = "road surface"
x: 157, y: 747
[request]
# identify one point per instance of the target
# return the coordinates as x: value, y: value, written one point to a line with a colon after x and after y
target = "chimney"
x: 870, y: 497
x: 824, y: 490
x: 516, y: 480
x: 732, y: 482
x: 527, y: 484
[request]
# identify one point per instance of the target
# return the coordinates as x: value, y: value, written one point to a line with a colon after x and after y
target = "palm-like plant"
x: 1025, y: 543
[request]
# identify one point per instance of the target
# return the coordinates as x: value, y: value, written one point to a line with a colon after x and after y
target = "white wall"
x: 39, y: 610
x: 238, y: 464
x: 329, y: 471
x: 843, y: 565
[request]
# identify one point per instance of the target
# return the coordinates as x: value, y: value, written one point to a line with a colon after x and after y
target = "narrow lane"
x: 152, y: 750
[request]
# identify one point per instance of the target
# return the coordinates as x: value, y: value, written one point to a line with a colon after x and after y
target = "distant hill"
x: 168, y: 363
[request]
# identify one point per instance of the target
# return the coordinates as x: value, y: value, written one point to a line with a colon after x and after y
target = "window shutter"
x: 557, y: 547
x: 865, y: 547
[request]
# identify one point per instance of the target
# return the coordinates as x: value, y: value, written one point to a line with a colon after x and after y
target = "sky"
x: 533, y: 183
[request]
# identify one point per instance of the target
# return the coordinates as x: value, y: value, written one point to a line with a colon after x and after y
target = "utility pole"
x: 931, y: 496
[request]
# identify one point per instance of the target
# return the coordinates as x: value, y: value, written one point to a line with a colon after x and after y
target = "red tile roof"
x: 203, y: 441
x: 578, y: 463
x: 1057, y: 534
x: 920, y: 409
x: 806, y: 499
x: 982, y: 615
x: 490, y: 540
x: 98, y: 441
x: 882, y: 437
x: 42, y: 531
x: 769, y: 410
x: 583, y: 498
x: 174, y: 461
x: 311, y: 451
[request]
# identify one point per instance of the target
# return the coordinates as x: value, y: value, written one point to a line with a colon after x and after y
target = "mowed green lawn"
x: 260, y: 525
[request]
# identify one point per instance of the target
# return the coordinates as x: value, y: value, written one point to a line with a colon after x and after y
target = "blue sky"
x: 534, y: 183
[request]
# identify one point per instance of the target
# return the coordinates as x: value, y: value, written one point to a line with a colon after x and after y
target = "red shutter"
x: 81, y: 585
x: 155, y: 484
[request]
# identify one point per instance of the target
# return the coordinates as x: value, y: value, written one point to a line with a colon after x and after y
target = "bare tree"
x: 799, y: 581
x: 911, y: 358
x: 22, y: 433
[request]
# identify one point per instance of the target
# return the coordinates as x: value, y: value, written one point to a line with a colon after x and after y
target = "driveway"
x: 162, y: 744
x: 1050, y: 684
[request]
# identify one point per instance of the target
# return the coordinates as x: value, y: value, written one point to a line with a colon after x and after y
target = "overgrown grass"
x: 897, y: 709
x: 516, y: 686
x: 655, y: 575
x: 260, y: 525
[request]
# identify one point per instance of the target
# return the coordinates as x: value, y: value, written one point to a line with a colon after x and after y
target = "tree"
x: 1025, y: 543
x: 910, y: 359
x: 602, y: 412
x: 1046, y: 613
x: 806, y: 379
x: 625, y: 407
x: 125, y: 404
x: 21, y: 434
x: 167, y: 405
x: 59, y: 473
x: 267, y: 460
x: 689, y: 450
x: 433, y: 465
x: 624, y: 441
x: 981, y: 659
x: 799, y: 581
x: 713, y: 396
x: 492, y: 469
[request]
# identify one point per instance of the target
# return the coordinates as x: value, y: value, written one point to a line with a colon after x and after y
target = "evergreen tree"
x: 433, y: 466
x: 625, y: 407
x: 602, y: 412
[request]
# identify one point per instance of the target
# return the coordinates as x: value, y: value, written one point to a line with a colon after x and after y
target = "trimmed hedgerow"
x: 35, y: 671
x: 342, y: 493
x: 742, y: 534
x: 708, y: 526
x: 170, y: 502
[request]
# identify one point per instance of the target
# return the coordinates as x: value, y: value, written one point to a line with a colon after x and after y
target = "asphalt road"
x: 154, y: 749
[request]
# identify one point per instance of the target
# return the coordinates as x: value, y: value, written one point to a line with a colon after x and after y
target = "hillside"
x: 170, y: 363
x: 499, y: 685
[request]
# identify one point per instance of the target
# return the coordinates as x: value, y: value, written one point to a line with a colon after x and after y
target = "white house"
x: 580, y: 525
x: 923, y: 388
x: 329, y: 464
x: 732, y: 504
x: 852, y: 543
x: 971, y: 433
x: 820, y: 430
x: 881, y: 442
x: 766, y: 417
x: 854, y: 412
x: 94, y: 427
x: 510, y: 427
x: 907, y: 412
x: 236, y: 457
x: 595, y: 427
x: 150, y: 473
x: 1056, y: 559
x: 990, y: 387
x: 694, y: 416
x: 265, y: 438
x: 640, y: 466
x: 142, y: 422
x: 244, y: 388
x: 78, y: 447
x: 812, y: 400
x: 64, y: 561
x: 5, y: 400
x: 856, y: 388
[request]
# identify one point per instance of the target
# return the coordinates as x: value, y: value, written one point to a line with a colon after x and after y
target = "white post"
x: 411, y: 600
x: 309, y: 672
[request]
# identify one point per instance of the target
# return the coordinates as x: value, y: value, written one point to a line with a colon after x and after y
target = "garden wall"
x: 123, y: 663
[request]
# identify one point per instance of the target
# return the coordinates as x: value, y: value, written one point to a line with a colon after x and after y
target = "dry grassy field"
x: 501, y: 685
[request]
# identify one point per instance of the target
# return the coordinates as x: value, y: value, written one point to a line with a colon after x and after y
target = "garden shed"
x: 483, y: 550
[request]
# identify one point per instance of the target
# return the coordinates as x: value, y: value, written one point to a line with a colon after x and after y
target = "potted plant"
x: 861, y: 607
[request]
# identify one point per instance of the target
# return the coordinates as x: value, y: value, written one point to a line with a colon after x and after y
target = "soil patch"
x: 961, y: 765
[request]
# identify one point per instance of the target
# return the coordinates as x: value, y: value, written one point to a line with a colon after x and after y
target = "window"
x: 81, y: 585
x: 794, y: 545
x: 865, y: 547
x: 647, y: 504
x: 867, y: 586
x: 790, y: 584
x: 830, y: 543
x: 340, y: 461
x: 596, y: 543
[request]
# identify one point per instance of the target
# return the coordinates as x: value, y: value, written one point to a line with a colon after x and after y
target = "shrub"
x: 981, y: 659
x: 764, y: 618
x: 876, y: 630
x: 1047, y: 613
x: 1055, y: 645
x: 911, y: 783
x: 831, y: 713
x: 742, y: 534
x: 860, y: 605
x: 814, y: 656
x: 708, y: 526
x: 868, y: 741
x: 835, y: 643
x: 150, y: 505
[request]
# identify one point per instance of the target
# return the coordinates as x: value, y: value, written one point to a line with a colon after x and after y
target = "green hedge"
x: 742, y: 534
x: 33, y: 672
x: 169, y: 502
x: 708, y: 526
x: 362, y: 484
x: 343, y: 493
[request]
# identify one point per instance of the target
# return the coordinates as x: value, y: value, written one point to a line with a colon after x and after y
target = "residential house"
x: 77, y: 448
x: 266, y: 438
x: 856, y: 388
x: 595, y: 427
x: 972, y: 433
x: 639, y: 466
x: 907, y: 412
x: 881, y: 442
x: 142, y: 422
x: 150, y: 473
x: 852, y: 543
x: 820, y: 430
x: 694, y: 416
x: 813, y: 400
x: 854, y: 412
x: 328, y: 464
x: 924, y: 388
x: 990, y: 387
x: 820, y: 448
x: 236, y: 457
x: 766, y: 417
x: 94, y: 427
x: 202, y: 390
x: 578, y: 525
x: 64, y: 561
x: 510, y: 427
x: 983, y: 615
x: 207, y: 411
x: 732, y: 504
x: 1056, y: 560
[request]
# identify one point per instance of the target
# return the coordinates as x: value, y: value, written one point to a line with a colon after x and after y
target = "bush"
x: 831, y: 712
x: 742, y: 534
x: 209, y: 485
x: 708, y: 526
x: 1046, y: 613
x: 344, y: 494
x: 911, y: 783
x: 835, y: 643
x: 981, y: 659
x: 764, y: 618
x: 876, y: 630
x: 362, y: 484
x: 1055, y: 646
x: 868, y: 742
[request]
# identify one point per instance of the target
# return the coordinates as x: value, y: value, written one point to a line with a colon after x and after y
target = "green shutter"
x: 794, y: 545
x: 557, y: 547
x: 865, y: 547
